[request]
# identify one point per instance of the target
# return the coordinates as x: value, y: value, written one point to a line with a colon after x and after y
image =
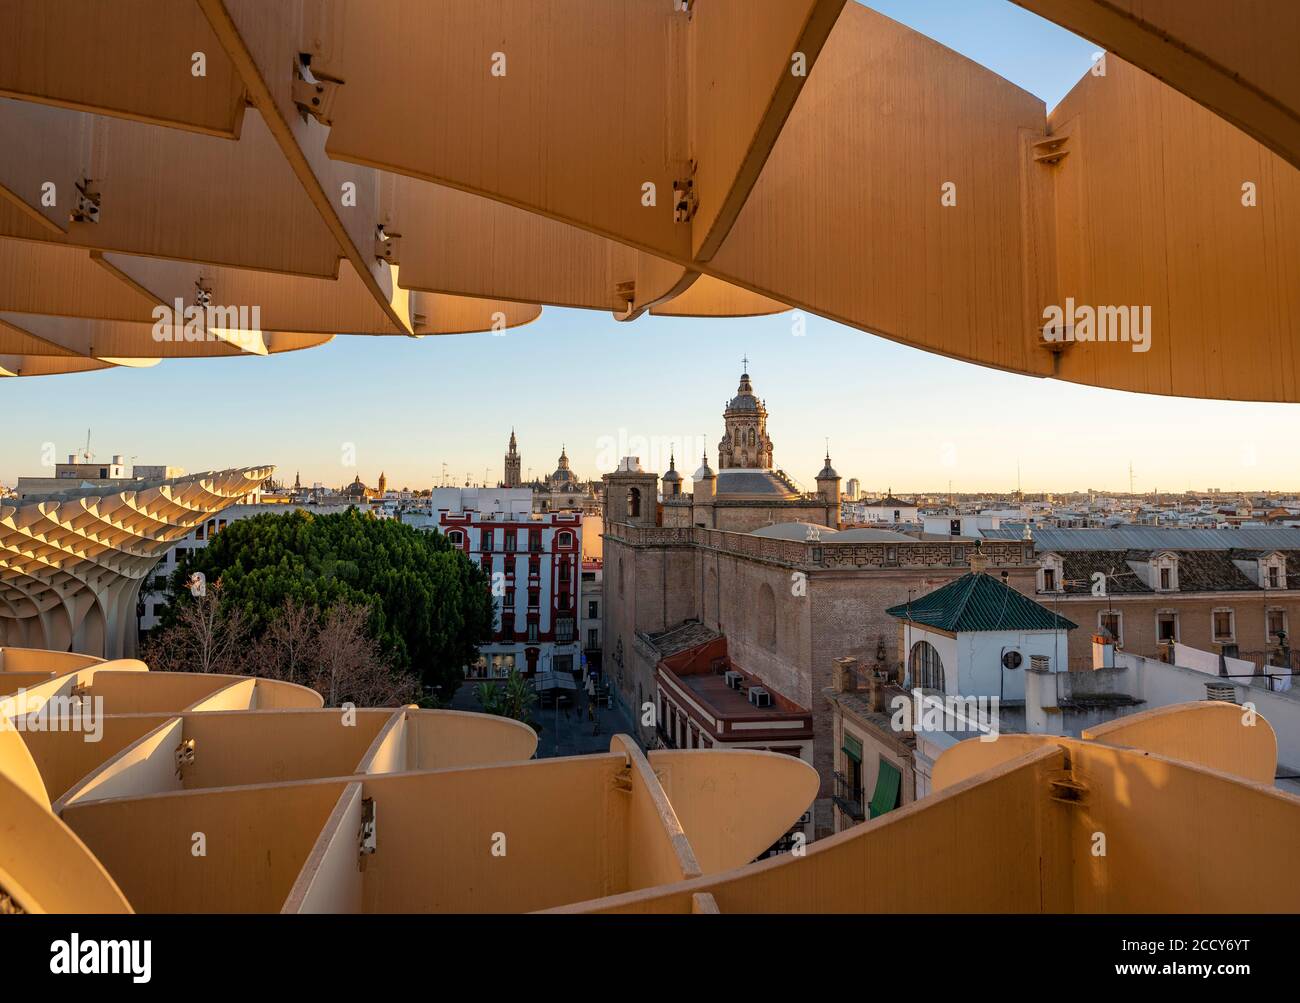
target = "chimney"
x: 845, y: 679
x: 1041, y: 714
x: 1103, y: 651
x: 875, y: 693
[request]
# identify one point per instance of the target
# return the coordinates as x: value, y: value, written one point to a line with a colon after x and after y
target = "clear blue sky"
x: 896, y: 417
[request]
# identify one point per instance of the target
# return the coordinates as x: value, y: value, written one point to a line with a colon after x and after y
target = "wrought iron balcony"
x: 849, y: 799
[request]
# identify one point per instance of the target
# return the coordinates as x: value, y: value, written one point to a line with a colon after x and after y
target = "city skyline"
x: 877, y: 434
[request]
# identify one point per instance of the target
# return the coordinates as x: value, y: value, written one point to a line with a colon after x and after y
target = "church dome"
x: 563, y: 475
x: 828, y: 472
x: 672, y: 476
x: 744, y: 399
x: 705, y: 471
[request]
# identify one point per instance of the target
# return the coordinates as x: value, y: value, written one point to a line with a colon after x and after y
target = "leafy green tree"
x: 428, y: 607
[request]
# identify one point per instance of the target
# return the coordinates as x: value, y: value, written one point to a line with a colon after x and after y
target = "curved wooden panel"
x: 284, y: 302
x: 710, y: 297
x: 146, y: 844
x: 266, y: 42
x: 734, y: 804
x: 46, y: 365
x: 16, y: 762
x: 1238, y: 59
x: 439, y: 740
x: 741, y: 95
x: 463, y: 244
x: 595, y: 90
x: 1164, y: 227
x: 164, y: 192
x: 972, y: 757
x: 1220, y: 736
x: 44, y: 867
x: 133, y: 59
x: 439, y: 314
x: 847, y: 221
x: 64, y: 281
x: 103, y: 339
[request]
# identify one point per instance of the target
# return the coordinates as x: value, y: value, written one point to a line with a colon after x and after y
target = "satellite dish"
x: 1012, y: 659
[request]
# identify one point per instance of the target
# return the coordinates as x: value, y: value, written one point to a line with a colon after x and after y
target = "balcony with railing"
x: 849, y: 799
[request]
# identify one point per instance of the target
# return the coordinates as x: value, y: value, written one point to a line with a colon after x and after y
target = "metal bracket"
x: 626, y: 291
x: 1065, y: 788
x: 685, y: 202
x: 1060, y: 345
x: 184, y: 756
x: 88, y: 201
x: 314, y: 95
x: 1051, y: 150
x: 388, y: 246
x: 79, y: 690
x: 202, y: 294
x: 623, y: 780
x: 366, y: 842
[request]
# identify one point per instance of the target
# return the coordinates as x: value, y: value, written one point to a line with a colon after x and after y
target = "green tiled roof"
x: 978, y: 601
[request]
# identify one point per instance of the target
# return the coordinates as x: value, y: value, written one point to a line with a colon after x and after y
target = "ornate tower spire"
x: 745, y: 443
x: 513, y: 461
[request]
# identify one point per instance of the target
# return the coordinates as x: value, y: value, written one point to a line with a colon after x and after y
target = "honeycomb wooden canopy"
x: 124, y: 789
x: 72, y: 562
x: 435, y: 167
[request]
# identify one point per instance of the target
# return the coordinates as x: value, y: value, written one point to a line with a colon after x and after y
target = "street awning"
x: 887, y: 782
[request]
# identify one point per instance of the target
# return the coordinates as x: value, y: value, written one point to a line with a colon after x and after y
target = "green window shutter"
x: 852, y: 748
x: 887, y: 782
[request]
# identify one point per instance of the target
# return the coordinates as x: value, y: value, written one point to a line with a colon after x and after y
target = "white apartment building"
x: 534, y: 563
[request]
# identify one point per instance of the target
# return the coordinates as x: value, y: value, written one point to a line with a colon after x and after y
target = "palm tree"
x: 489, y: 698
x: 519, y: 697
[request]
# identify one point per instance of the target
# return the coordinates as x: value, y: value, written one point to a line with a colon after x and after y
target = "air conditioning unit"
x: 760, y: 697
x: 732, y: 678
